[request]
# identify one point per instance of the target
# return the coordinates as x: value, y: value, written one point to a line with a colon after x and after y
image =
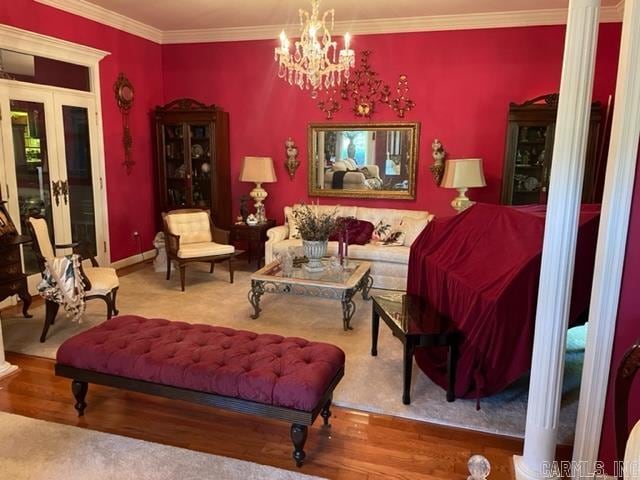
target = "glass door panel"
x: 200, y: 138
x: 77, y: 188
x: 176, y: 167
x: 33, y: 175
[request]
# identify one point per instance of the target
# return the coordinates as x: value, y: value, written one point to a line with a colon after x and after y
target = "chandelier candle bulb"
x: 347, y: 41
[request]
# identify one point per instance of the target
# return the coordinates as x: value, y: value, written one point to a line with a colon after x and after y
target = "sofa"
x: 389, y: 262
x: 355, y: 178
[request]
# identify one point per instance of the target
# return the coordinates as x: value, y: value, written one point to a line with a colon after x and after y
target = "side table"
x: 255, y: 236
x: 416, y: 324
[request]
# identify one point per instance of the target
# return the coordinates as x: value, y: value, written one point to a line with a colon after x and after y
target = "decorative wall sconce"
x: 124, y: 97
x: 364, y: 91
x: 292, y: 163
x: 402, y: 103
x: 364, y: 88
x: 438, y: 153
x: 330, y: 104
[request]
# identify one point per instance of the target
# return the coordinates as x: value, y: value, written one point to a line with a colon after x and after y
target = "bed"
x: 481, y: 268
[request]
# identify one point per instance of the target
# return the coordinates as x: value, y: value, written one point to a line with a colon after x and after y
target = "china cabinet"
x: 192, y: 155
x: 529, y: 151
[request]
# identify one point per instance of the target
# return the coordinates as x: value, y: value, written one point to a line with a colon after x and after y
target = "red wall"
x: 130, y: 197
x: 627, y: 328
x: 461, y: 81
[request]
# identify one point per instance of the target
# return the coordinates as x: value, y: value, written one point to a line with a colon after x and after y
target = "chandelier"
x: 313, y: 65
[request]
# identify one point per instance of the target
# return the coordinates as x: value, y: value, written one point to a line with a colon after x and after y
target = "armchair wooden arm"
x: 221, y: 236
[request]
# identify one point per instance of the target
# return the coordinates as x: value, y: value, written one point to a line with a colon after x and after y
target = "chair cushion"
x: 204, y: 249
x: 103, y: 280
x: 192, y: 227
x: 42, y: 237
x: 270, y: 369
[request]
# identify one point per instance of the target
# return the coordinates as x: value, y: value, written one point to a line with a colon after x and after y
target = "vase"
x: 314, y: 250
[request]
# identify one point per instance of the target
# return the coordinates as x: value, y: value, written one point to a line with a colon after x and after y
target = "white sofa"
x: 389, y: 263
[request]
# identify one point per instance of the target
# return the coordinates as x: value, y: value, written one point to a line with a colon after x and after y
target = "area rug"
x: 35, y: 449
x: 372, y: 384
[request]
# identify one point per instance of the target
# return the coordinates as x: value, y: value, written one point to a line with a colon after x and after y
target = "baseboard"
x: 133, y: 259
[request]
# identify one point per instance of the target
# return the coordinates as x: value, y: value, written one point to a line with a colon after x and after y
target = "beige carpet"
x: 38, y: 450
x: 371, y: 383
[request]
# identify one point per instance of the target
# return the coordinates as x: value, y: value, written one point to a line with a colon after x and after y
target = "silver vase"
x: 314, y: 250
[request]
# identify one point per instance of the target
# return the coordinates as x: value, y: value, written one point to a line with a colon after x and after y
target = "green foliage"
x: 314, y: 225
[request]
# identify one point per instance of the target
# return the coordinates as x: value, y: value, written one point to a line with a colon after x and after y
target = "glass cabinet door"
x: 532, y: 162
x: 177, y: 168
x: 200, y: 158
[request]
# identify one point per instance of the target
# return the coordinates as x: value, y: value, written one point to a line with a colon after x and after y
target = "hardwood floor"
x: 358, y: 445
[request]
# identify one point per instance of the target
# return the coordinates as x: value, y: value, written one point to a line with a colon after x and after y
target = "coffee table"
x: 416, y: 324
x: 327, y: 284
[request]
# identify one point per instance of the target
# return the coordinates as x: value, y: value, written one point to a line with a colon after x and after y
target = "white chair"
x: 632, y: 455
x: 628, y: 444
x: 99, y: 282
x: 190, y: 236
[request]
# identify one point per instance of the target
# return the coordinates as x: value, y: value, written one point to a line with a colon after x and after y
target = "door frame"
x: 24, y: 41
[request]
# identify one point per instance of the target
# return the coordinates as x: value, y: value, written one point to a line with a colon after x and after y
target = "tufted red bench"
x: 289, y: 379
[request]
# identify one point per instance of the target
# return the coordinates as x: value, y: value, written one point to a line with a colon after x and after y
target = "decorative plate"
x: 197, y: 151
x: 531, y: 184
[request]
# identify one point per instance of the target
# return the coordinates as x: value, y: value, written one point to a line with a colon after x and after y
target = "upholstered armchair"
x: 99, y: 282
x: 190, y: 236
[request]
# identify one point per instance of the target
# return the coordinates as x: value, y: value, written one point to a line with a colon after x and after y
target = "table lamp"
x: 463, y: 174
x: 258, y: 170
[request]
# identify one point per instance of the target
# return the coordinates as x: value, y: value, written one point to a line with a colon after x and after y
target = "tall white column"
x: 612, y: 240
x: 561, y: 228
x: 5, y: 367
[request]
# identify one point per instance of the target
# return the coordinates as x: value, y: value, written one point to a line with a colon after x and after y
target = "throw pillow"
x: 381, y: 231
x: 386, y: 234
x: 293, y: 225
x: 412, y: 227
x: 359, y: 232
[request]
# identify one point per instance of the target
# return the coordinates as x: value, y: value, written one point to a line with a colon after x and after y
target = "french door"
x: 50, y: 167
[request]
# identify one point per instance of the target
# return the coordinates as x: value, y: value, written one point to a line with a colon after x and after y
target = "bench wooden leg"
x: 299, y: 437
x: 79, y: 390
x: 326, y: 412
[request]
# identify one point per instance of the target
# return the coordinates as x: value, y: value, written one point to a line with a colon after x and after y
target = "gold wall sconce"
x: 438, y: 153
x: 292, y: 163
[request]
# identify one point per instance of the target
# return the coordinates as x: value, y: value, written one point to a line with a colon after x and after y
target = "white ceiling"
x: 189, y: 20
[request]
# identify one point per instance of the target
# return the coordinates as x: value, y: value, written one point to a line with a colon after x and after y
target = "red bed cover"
x: 481, y: 268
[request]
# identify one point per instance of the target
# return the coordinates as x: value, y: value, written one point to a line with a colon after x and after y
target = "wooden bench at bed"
x: 288, y: 379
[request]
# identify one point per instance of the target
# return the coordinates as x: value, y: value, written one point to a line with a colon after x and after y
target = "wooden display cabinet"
x: 529, y: 151
x: 192, y: 156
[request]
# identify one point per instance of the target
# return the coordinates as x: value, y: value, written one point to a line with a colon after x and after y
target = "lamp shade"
x: 463, y: 173
x: 258, y: 170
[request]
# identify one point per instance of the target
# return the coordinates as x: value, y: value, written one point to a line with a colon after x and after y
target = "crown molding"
x: 101, y: 15
x: 521, y: 18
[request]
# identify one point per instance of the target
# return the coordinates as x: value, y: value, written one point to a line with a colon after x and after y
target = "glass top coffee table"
x: 416, y: 324
x: 326, y: 284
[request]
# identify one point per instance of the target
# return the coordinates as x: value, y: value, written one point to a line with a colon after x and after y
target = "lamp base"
x: 259, y: 194
x: 461, y: 202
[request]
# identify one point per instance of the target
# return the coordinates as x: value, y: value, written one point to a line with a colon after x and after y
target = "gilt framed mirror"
x: 363, y: 160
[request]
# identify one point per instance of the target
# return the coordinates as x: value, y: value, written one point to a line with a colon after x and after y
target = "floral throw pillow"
x: 293, y: 225
x: 386, y: 234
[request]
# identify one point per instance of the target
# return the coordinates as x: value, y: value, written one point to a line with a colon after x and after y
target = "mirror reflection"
x: 363, y: 160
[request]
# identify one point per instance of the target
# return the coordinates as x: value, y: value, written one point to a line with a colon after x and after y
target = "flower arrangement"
x: 313, y: 225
